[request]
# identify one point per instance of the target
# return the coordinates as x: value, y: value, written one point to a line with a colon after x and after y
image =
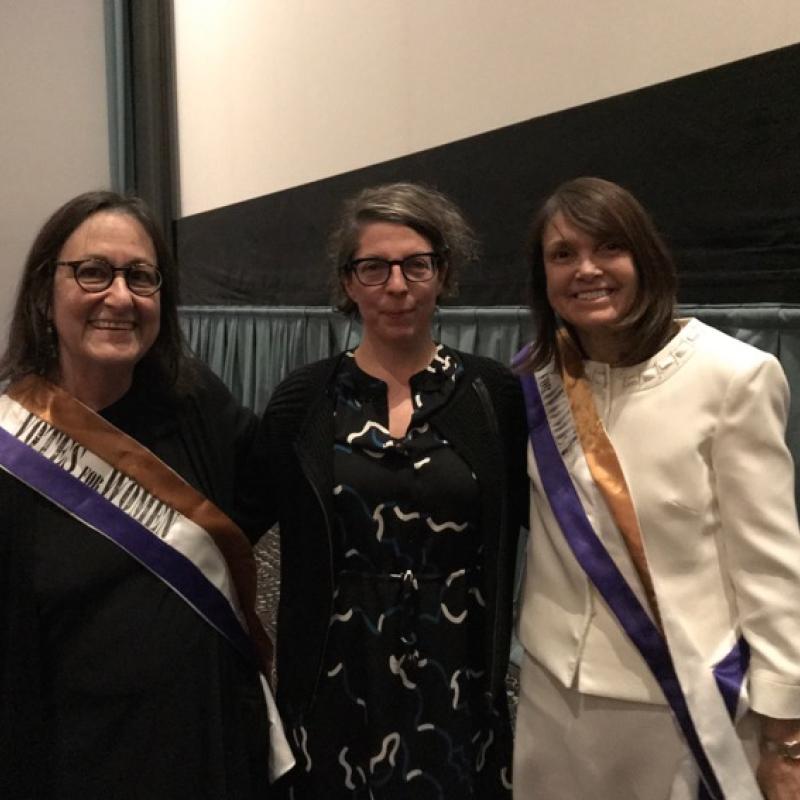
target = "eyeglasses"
x: 416, y: 268
x: 97, y: 274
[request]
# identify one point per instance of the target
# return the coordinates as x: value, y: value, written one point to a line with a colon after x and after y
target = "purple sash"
x: 100, y: 514
x: 595, y: 560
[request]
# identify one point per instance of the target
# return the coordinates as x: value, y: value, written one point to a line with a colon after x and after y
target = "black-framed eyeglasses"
x: 416, y: 268
x: 97, y: 274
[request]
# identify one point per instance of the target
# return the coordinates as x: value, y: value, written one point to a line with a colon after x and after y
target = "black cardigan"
x: 484, y: 420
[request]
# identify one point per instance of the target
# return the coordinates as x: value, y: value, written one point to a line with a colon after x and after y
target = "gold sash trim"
x: 604, y: 465
x: 64, y: 412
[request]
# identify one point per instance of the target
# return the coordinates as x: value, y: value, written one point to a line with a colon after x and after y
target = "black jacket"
x: 199, y: 730
x: 484, y: 421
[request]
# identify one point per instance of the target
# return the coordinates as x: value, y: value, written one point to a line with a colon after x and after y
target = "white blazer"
x: 699, y: 430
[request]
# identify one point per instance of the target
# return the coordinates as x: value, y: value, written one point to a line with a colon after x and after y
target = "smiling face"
x: 398, y: 312
x: 591, y: 283
x: 103, y: 335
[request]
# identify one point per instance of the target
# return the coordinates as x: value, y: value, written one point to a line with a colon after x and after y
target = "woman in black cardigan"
x: 399, y: 469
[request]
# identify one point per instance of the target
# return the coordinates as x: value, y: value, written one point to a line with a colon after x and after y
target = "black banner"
x: 714, y: 156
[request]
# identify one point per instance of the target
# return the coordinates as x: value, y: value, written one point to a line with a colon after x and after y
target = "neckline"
x: 655, y: 369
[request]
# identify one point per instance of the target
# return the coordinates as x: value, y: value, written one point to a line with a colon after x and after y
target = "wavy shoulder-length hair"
x: 32, y: 348
x: 606, y: 211
x: 421, y: 208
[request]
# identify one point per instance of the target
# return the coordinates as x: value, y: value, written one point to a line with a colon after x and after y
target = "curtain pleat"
x: 253, y: 348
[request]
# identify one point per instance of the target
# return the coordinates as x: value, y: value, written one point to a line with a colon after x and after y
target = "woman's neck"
x: 605, y: 346
x: 391, y: 363
x: 97, y: 390
x: 612, y: 347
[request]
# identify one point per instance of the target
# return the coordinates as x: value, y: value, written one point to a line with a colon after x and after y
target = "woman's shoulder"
x: 723, y: 351
x: 207, y: 395
x: 498, y: 377
x: 485, y: 367
x: 301, y: 387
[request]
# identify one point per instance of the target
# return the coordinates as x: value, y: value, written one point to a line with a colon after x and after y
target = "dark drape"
x: 715, y: 156
x: 141, y: 71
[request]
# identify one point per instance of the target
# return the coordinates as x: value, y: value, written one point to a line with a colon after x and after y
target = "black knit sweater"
x: 484, y: 421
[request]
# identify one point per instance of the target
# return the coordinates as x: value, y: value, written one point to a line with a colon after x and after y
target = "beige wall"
x: 275, y: 93
x: 53, y: 120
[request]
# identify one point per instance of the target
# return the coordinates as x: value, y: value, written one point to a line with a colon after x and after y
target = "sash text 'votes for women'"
x: 115, y: 486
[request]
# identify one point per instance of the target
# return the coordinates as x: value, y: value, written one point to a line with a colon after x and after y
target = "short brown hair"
x: 31, y: 348
x: 605, y: 210
x: 423, y: 209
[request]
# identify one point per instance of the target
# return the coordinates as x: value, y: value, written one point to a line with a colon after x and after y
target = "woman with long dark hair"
x: 660, y: 612
x: 131, y: 658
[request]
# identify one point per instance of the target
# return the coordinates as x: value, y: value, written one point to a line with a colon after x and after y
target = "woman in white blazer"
x: 661, y: 609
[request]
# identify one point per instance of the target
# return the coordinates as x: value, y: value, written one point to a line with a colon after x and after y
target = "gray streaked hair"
x: 421, y: 208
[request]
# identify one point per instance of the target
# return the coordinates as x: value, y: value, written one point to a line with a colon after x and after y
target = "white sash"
x: 693, y: 688
x: 167, y: 530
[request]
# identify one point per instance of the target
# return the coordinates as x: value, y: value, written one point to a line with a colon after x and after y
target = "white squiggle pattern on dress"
x: 403, y: 517
x: 418, y: 431
x: 422, y: 462
x: 303, y: 745
x: 476, y: 592
x: 438, y: 527
x: 343, y: 617
x: 390, y: 745
x: 456, y: 619
x: 459, y: 573
x: 348, y: 770
x: 396, y: 666
x: 443, y: 360
x: 377, y: 516
x: 336, y: 670
x: 455, y: 687
x: 368, y: 427
x: 481, y: 760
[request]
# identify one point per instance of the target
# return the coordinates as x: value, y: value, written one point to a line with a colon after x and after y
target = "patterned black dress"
x: 401, y: 710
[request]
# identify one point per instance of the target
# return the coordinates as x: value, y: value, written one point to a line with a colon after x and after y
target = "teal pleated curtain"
x: 253, y: 348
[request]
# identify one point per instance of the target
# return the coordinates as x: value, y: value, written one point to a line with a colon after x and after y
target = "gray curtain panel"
x: 253, y: 348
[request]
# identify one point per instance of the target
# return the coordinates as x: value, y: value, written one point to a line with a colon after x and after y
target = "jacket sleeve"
x: 517, y: 447
x: 754, y: 478
x: 24, y: 759
x: 222, y: 436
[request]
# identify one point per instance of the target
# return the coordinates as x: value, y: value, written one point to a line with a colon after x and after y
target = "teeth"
x: 112, y: 325
x: 597, y: 293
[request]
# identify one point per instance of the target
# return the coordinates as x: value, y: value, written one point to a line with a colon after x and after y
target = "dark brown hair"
x: 606, y: 211
x: 31, y: 346
x: 423, y: 209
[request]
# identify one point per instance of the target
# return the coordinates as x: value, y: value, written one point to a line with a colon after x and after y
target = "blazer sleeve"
x: 222, y: 437
x: 754, y: 478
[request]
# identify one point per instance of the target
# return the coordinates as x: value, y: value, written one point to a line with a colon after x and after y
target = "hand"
x: 778, y: 777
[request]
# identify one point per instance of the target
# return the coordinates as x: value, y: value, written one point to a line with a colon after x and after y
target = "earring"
x: 52, y: 341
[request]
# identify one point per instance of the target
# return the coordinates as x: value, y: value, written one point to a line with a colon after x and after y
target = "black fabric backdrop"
x: 714, y: 156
